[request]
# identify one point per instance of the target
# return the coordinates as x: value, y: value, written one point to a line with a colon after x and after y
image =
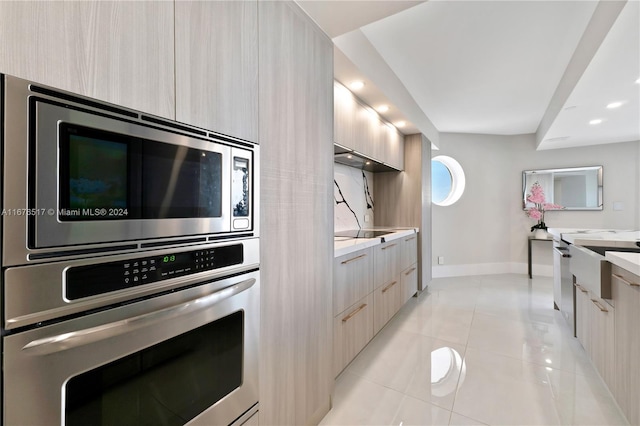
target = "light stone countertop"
x: 596, y: 237
x: 612, y: 238
x: 628, y: 261
x: 345, y: 245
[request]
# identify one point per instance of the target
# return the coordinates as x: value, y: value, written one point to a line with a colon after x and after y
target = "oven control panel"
x: 92, y: 280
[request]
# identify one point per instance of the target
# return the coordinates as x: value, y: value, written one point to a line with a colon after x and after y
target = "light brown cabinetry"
x: 386, y: 263
x: 352, y: 330
x: 387, y: 301
x: 409, y: 265
x: 352, y: 279
x: 626, y: 296
x: 117, y: 51
x: 358, y: 127
x: 387, y: 282
x: 369, y: 288
x: 583, y: 317
x: 409, y: 279
x: 602, y: 339
x: 217, y: 66
x: 595, y: 331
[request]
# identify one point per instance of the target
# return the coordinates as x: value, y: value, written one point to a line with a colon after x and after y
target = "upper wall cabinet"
x: 217, y: 66
x: 359, y: 127
x: 120, y: 52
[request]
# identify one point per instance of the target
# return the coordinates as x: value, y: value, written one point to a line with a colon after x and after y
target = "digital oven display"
x: 110, y: 176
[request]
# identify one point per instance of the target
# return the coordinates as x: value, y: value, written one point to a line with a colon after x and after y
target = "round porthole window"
x: 447, y: 180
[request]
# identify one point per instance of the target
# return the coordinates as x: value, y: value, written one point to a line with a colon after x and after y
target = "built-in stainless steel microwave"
x: 84, y: 176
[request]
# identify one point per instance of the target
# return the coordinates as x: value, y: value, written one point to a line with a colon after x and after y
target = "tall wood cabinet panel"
x: 404, y: 199
x: 217, y: 66
x: 120, y: 52
x: 626, y: 296
x: 296, y: 177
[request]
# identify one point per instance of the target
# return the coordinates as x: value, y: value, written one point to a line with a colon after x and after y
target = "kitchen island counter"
x: 625, y: 260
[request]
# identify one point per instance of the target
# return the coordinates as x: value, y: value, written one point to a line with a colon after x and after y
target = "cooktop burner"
x: 361, y: 233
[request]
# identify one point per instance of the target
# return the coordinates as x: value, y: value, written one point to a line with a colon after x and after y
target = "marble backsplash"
x: 353, y: 198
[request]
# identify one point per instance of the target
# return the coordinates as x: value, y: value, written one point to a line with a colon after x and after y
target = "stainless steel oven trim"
x: 66, y: 341
x: 26, y: 375
x: 50, y: 231
x: 35, y: 293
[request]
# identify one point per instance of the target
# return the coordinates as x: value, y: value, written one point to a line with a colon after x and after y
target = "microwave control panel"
x: 92, y: 280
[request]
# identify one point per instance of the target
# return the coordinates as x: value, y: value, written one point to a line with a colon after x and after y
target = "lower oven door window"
x: 167, y: 384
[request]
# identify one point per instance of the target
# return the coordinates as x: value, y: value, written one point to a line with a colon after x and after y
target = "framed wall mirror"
x: 575, y: 188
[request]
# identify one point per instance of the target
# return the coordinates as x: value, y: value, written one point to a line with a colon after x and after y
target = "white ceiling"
x: 496, y: 67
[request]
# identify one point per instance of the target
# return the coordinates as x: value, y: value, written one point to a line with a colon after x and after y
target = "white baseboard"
x: 442, y: 271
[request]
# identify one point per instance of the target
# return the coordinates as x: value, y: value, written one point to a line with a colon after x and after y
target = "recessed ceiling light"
x: 613, y: 105
x: 400, y: 123
x: 357, y: 85
x: 383, y: 108
x: 638, y: 81
x: 368, y: 162
x: 349, y: 156
x: 596, y: 121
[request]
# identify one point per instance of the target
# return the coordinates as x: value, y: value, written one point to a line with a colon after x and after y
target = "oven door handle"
x: 65, y: 341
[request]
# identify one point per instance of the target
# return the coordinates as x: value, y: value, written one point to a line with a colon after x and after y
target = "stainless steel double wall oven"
x: 130, y: 266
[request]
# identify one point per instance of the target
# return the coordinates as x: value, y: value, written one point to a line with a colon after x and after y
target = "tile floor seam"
x: 455, y: 395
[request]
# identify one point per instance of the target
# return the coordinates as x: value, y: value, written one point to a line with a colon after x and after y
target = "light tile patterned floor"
x: 472, y: 351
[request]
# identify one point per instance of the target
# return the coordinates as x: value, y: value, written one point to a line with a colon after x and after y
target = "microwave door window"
x: 180, y: 182
x: 95, y: 181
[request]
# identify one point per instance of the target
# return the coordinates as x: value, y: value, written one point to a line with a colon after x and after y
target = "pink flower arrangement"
x: 536, y: 196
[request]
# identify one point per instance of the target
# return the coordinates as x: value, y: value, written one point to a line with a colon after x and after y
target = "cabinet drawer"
x: 386, y: 262
x: 409, y: 254
x: 409, y: 279
x: 583, y: 316
x: 352, y: 330
x: 351, y: 279
x: 602, y: 339
x: 387, y: 301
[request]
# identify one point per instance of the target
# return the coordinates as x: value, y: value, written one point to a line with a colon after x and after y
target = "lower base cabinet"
x: 409, y: 279
x: 595, y: 331
x: 602, y: 339
x: 583, y: 316
x: 370, y: 283
x: 626, y: 296
x: 352, y: 330
x: 387, y: 301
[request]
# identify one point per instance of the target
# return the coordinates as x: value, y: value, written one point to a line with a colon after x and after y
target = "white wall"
x: 352, y: 184
x: 486, y: 230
